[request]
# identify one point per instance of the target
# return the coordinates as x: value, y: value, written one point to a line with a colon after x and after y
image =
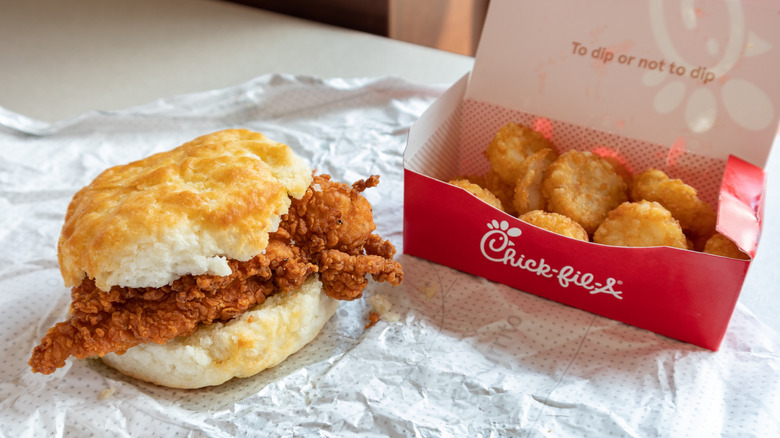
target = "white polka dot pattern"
x: 466, y: 358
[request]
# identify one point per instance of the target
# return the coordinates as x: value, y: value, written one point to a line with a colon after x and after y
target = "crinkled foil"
x: 459, y: 357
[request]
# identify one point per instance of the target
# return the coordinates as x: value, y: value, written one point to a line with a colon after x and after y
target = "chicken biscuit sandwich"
x: 214, y: 260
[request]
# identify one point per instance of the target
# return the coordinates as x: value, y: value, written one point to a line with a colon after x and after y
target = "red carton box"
x: 689, y: 89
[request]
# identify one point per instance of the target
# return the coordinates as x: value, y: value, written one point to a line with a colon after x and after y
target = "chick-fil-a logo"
x: 497, y: 246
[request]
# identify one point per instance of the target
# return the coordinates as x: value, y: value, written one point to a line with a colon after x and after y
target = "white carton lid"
x: 699, y: 75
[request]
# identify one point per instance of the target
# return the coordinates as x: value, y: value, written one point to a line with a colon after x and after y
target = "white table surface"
x: 63, y: 58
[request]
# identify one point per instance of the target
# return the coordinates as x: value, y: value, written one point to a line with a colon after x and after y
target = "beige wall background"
x: 451, y: 25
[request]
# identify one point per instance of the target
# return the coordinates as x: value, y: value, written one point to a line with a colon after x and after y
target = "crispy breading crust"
x: 248, y: 344
x: 721, y: 245
x: 584, y: 187
x: 557, y: 223
x: 510, y: 146
x: 503, y: 191
x: 528, y: 188
x: 478, y: 191
x: 231, y: 191
x: 696, y: 216
x: 103, y: 322
x: 640, y: 224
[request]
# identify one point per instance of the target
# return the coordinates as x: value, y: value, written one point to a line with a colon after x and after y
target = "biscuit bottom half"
x: 258, y: 339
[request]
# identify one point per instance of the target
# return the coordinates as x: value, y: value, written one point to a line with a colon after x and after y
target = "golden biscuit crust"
x: 184, y: 211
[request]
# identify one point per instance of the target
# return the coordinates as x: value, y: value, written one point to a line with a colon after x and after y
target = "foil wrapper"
x: 454, y: 355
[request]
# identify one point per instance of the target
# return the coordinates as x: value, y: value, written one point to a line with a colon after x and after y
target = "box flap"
x: 696, y: 76
x: 740, y: 212
x: 440, y: 159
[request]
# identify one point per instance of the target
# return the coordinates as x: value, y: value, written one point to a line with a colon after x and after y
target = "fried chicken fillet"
x: 328, y: 232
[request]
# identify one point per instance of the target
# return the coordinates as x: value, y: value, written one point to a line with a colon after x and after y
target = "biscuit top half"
x: 185, y: 211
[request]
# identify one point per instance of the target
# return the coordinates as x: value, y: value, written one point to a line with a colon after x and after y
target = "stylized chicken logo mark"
x: 742, y: 100
x: 497, y: 239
